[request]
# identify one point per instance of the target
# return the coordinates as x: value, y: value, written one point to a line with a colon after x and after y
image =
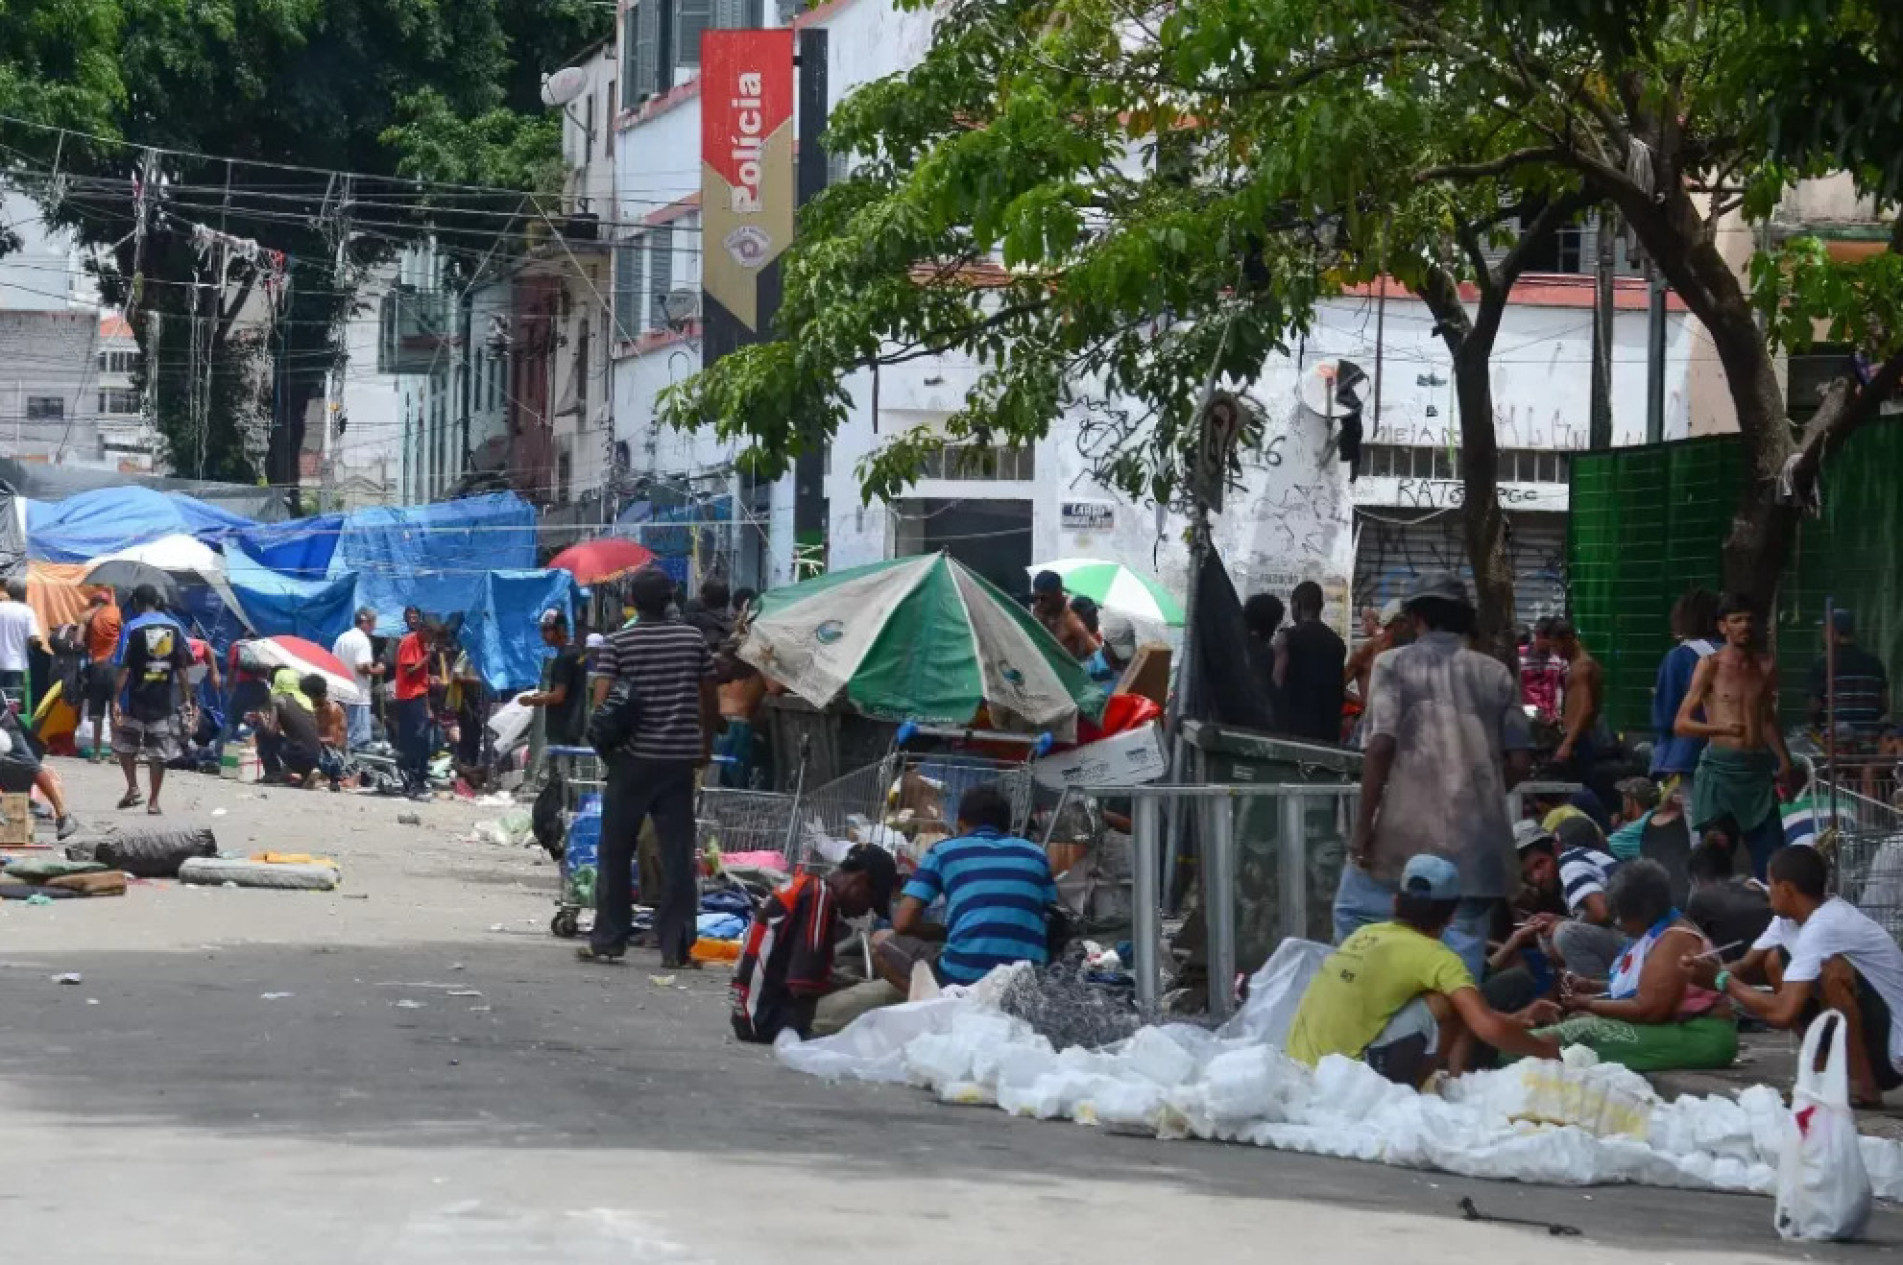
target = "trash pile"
x: 1571, y: 1123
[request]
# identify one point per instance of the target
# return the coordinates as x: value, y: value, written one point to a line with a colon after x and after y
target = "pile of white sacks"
x: 1564, y: 1123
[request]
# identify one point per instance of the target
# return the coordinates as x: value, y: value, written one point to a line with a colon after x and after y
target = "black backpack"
x: 611, y: 725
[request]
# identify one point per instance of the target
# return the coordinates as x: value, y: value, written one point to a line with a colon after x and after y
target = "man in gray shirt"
x: 1446, y: 740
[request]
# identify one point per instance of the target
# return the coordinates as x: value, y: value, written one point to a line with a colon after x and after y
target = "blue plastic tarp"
x: 432, y: 556
x: 502, y: 630
x: 81, y: 528
x: 283, y: 605
x: 302, y: 547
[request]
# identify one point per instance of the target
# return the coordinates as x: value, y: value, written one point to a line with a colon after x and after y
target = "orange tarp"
x: 54, y: 592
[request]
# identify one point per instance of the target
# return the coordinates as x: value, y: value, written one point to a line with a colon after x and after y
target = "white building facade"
x: 1297, y: 516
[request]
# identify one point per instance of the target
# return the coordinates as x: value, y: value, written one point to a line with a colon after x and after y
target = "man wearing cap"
x: 1398, y: 998
x: 1446, y: 738
x: 355, y: 651
x: 1570, y: 872
x: 564, y: 684
x: 1862, y: 682
x: 1051, y: 605
x: 786, y: 961
x: 1385, y: 635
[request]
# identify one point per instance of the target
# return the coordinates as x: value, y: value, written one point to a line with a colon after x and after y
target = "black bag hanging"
x: 611, y: 726
x: 546, y: 819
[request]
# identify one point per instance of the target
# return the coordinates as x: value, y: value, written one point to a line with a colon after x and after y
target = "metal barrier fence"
x: 1217, y: 821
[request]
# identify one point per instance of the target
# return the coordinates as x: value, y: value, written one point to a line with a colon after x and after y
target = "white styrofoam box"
x: 1126, y: 759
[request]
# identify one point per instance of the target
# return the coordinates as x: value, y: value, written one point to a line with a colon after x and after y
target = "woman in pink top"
x: 1649, y: 1016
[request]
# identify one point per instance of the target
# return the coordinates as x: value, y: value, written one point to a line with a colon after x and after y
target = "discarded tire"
x: 216, y: 871
x: 154, y: 853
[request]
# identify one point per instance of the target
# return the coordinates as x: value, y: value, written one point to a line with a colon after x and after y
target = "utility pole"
x: 1655, y: 356
x: 1600, y: 435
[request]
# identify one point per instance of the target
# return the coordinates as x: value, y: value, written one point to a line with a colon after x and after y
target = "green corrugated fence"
x: 1648, y: 523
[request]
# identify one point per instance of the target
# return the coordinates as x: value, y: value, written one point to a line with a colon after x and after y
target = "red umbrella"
x: 593, y: 561
x: 304, y: 657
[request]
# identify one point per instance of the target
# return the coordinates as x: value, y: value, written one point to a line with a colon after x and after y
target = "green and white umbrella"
x: 922, y: 638
x: 1115, y: 587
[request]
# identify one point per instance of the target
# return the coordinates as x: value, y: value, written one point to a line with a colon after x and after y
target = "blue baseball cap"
x: 1434, y: 877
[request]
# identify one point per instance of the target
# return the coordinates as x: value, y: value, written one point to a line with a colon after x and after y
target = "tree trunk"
x: 1762, y: 530
x: 1485, y: 522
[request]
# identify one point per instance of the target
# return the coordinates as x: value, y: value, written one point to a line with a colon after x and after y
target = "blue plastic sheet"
x: 302, y: 547
x: 283, y: 605
x: 81, y: 528
x: 432, y: 556
x: 502, y: 629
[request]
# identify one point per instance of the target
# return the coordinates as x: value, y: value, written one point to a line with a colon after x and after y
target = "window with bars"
x: 1517, y: 465
x: 660, y: 38
x: 118, y: 400
x: 118, y: 361
x: 974, y: 463
x: 628, y: 307
x: 660, y: 274
x: 45, y: 408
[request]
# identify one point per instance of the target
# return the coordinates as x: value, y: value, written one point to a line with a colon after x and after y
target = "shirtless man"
x: 1051, y: 605
x: 1732, y: 702
x: 1585, y: 696
x: 1378, y: 634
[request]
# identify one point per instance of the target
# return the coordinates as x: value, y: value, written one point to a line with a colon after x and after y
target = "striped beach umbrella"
x: 922, y: 638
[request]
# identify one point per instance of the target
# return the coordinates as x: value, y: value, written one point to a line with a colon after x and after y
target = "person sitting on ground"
x: 996, y: 888
x: 1655, y: 829
x: 786, y: 961
x: 288, y: 746
x: 1396, y: 997
x: 1839, y: 958
x: 1730, y: 908
x: 22, y: 771
x: 333, y: 730
x: 1651, y: 1016
x: 1574, y: 878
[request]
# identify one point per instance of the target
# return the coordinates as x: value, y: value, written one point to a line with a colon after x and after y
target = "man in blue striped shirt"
x: 996, y: 888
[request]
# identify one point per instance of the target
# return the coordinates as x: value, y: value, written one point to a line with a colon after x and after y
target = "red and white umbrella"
x: 304, y: 657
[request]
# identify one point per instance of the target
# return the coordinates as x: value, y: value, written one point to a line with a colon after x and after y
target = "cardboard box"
x: 1126, y: 759
x: 17, y: 831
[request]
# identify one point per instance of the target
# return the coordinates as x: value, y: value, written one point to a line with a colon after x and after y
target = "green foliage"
x: 442, y: 89
x: 1106, y: 209
x: 498, y: 147
x: 1806, y: 297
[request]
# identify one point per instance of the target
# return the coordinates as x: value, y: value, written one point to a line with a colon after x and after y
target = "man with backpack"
x: 656, y: 712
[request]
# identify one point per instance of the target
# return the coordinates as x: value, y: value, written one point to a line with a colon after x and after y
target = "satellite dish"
x: 681, y: 307
x: 563, y: 86
x: 1333, y: 388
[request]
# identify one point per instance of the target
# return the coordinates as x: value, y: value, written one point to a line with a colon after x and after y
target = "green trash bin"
x: 1242, y: 757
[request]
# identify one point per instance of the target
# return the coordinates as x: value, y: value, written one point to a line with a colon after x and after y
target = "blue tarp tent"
x: 302, y: 547
x: 81, y: 528
x: 502, y: 630
x: 279, y: 604
x: 433, y: 556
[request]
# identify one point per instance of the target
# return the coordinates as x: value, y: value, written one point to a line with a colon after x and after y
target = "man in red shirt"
x: 787, y: 963
x: 411, y: 691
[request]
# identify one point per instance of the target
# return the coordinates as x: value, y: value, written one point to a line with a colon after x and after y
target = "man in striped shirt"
x: 676, y: 710
x: 996, y: 888
x: 1575, y: 877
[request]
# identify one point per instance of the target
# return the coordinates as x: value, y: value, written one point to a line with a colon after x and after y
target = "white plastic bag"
x: 1823, y: 1189
x: 1275, y: 993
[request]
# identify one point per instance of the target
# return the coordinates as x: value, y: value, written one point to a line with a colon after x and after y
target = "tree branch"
x: 1494, y: 166
x: 1845, y: 409
x: 1544, y: 225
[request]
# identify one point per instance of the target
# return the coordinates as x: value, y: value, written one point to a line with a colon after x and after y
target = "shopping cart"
x: 908, y: 800
x: 583, y: 781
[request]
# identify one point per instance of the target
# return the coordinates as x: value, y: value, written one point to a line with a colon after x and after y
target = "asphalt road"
x: 413, y: 1071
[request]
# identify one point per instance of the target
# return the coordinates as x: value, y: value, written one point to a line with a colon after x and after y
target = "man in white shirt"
x: 1839, y: 959
x: 357, y: 654
x: 19, y: 631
